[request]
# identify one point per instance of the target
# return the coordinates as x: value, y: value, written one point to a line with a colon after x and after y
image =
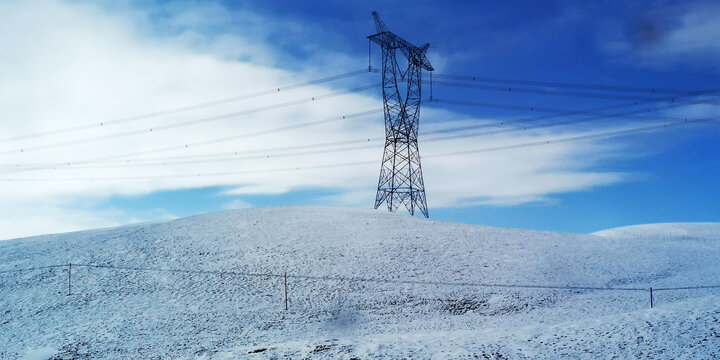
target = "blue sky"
x: 164, y: 55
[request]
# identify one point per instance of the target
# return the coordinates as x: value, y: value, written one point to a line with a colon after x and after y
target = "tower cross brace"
x: 401, y: 179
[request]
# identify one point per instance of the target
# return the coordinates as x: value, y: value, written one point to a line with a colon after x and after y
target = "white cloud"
x: 682, y: 33
x: 70, y: 64
x: 27, y: 217
x: 237, y: 204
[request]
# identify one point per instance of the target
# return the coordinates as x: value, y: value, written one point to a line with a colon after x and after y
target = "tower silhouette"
x: 401, y: 179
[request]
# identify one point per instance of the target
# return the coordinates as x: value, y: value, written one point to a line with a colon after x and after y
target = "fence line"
x: 210, y: 272
x: 31, y: 269
x: 464, y: 284
x: 364, y: 279
x: 688, y: 288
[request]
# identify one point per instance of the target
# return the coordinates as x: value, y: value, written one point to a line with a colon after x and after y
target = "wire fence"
x: 333, y: 278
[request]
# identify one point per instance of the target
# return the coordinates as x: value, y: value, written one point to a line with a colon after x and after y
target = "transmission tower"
x: 401, y: 180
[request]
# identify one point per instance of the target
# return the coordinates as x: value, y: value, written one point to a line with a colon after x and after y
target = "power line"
x: 558, y: 112
x: 511, y: 90
x: 186, y: 108
x: 191, y: 122
x: 566, y: 85
x: 357, y: 163
x: 566, y: 122
x: 225, y: 173
x: 284, y: 128
x: 578, y: 138
x: 222, y: 159
x: 207, y: 142
x: 238, y: 156
x: 236, y: 153
x: 291, y: 87
x: 596, y: 117
x: 266, y: 108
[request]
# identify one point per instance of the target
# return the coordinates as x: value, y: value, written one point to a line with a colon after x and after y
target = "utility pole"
x: 401, y: 179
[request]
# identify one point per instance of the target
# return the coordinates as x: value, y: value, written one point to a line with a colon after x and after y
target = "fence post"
x: 69, y: 279
x: 286, y: 295
x: 651, y: 298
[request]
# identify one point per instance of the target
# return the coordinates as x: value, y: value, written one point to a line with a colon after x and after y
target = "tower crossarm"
x: 414, y: 54
x: 390, y: 41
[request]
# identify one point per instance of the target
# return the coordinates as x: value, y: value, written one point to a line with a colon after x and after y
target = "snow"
x: 431, y: 307
x: 38, y: 353
x: 694, y: 231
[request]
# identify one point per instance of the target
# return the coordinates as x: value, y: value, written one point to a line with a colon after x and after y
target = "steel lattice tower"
x: 401, y: 180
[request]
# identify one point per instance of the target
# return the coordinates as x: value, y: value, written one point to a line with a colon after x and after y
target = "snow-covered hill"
x: 362, y: 284
x: 666, y: 231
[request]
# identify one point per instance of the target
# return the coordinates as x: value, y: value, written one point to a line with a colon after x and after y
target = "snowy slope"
x: 429, y: 305
x: 665, y: 231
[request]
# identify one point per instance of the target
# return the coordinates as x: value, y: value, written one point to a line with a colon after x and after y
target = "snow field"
x: 121, y: 313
